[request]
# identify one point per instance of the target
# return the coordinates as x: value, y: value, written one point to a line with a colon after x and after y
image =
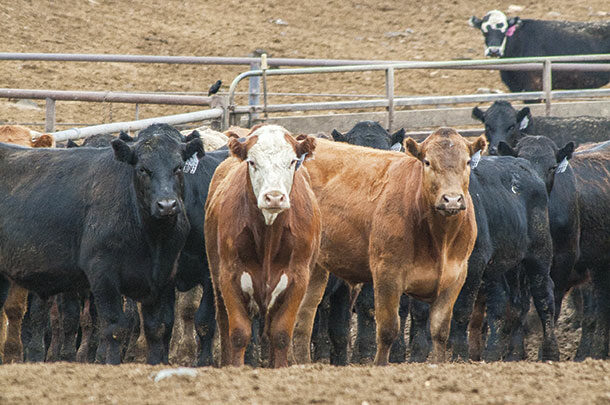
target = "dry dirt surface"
x: 498, y: 383
x: 346, y: 29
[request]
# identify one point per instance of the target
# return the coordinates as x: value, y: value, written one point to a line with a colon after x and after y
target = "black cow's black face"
x: 496, y: 28
x: 502, y: 124
x: 546, y: 158
x: 158, y: 159
x: 371, y: 134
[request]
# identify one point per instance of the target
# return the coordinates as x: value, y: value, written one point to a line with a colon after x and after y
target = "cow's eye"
x: 252, y: 164
x: 500, y: 26
x: 293, y: 163
x: 178, y: 170
x: 511, y: 127
x: 145, y: 171
x: 426, y: 162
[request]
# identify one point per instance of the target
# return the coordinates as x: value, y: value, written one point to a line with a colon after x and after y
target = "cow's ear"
x: 193, y: 135
x: 43, y: 141
x: 565, y: 152
x: 232, y: 134
x: 478, y: 114
x: 505, y: 149
x: 71, y: 144
x: 524, y: 117
x: 123, y: 152
x: 475, y: 22
x: 124, y: 136
x: 306, y: 146
x: 398, y: 137
x: 412, y: 147
x: 478, y: 145
x: 338, y: 136
x: 514, y: 21
x: 238, y: 149
x: 195, y: 146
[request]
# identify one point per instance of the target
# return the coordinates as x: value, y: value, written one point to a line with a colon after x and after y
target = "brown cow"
x: 262, y: 233
x: 16, y: 303
x: 405, y: 223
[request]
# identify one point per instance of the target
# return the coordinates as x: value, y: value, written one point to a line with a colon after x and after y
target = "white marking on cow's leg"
x: 248, y: 287
x: 279, y: 288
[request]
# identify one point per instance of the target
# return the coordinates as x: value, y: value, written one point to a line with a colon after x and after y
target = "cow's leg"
x: 496, y: 300
x: 441, y: 312
x: 307, y: 313
x: 36, y: 324
x: 365, y: 345
x: 519, y: 308
x: 541, y: 287
x: 205, y: 325
x: 601, y: 289
x: 114, y: 324
x: 283, y: 319
x: 256, y: 351
x: 419, y: 333
x: 387, y: 300
x: 338, y: 324
x: 69, y: 311
x: 398, y: 352
x: 86, y: 326
x: 223, y: 327
x: 587, y: 322
x: 462, y: 310
x: 475, y: 329
x: 130, y: 350
x: 561, y: 270
x: 14, y: 308
x: 158, y: 319
x: 239, y: 324
x: 320, y: 341
x: 4, y: 291
x: 56, y: 332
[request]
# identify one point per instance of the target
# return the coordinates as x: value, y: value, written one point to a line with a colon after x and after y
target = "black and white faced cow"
x: 505, y: 124
x: 112, y: 220
x: 513, y: 37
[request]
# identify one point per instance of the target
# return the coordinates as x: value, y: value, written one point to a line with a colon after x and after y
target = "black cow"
x: 505, y: 124
x: 513, y: 246
x: 110, y: 220
x: 551, y: 165
x: 592, y: 168
x: 371, y: 134
x: 514, y: 37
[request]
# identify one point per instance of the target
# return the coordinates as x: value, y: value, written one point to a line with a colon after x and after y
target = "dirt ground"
x: 352, y: 29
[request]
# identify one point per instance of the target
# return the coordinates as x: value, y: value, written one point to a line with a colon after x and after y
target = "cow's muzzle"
x: 274, y: 201
x: 451, y: 204
x: 167, y: 207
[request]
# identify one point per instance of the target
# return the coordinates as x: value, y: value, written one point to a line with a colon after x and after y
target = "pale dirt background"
x: 315, y: 29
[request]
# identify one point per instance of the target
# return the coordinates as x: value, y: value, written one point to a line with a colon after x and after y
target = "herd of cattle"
x: 287, y: 235
x: 433, y: 229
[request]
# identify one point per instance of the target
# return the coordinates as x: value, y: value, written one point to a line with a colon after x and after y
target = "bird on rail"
x: 214, y: 88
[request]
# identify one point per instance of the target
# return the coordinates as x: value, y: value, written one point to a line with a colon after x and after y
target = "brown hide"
x: 238, y: 241
x: 380, y: 225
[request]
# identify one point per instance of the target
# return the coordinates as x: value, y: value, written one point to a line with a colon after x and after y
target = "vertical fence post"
x: 254, y: 89
x: 389, y: 91
x: 137, y: 111
x: 49, y: 122
x: 264, y: 67
x: 547, y: 85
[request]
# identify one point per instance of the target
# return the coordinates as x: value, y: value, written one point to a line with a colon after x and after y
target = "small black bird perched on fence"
x: 214, y: 88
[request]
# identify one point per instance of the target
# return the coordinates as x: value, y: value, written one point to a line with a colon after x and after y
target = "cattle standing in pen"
x: 514, y: 37
x: 404, y: 222
x: 505, y: 124
x: 116, y: 227
x: 262, y: 231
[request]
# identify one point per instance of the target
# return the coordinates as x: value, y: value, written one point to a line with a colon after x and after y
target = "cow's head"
x: 502, y: 123
x: 157, y: 158
x: 546, y: 158
x: 272, y: 156
x: 446, y: 162
x: 371, y: 134
x: 496, y: 28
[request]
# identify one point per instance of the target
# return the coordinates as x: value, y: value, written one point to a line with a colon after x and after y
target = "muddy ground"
x: 355, y: 29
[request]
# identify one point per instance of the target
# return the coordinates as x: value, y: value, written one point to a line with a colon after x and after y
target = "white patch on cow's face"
x: 279, y: 288
x: 495, y: 20
x: 271, y: 164
x: 524, y: 122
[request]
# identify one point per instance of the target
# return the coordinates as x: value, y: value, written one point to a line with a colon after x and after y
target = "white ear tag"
x: 396, y: 147
x: 474, y: 159
x: 190, y: 166
x: 300, y: 161
x: 524, y: 122
x: 562, y: 166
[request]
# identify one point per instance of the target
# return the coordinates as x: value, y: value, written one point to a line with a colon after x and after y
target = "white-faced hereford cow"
x: 514, y: 37
x: 262, y: 233
x: 404, y: 222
